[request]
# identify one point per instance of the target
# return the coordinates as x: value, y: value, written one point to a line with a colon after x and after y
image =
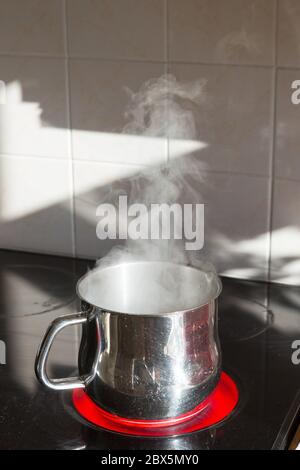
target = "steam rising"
x: 167, y: 109
x: 164, y: 107
x: 147, y: 288
x: 238, y: 42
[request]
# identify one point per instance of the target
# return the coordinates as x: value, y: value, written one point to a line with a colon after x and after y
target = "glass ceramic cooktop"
x: 257, y: 324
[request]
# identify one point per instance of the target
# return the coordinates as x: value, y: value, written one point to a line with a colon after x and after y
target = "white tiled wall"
x: 236, y: 122
x: 34, y: 118
x: 98, y: 103
x: 105, y: 29
x: 36, y: 211
x: 31, y: 27
x: 68, y: 65
x: 288, y: 37
x: 222, y: 32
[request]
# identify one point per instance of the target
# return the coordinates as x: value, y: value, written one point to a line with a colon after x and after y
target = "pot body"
x: 150, y: 367
x: 146, y: 351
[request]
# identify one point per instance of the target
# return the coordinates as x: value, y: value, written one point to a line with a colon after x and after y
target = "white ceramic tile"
x: 285, y: 247
x: 214, y: 31
x: 236, y: 223
x: 234, y: 117
x: 288, y: 126
x: 127, y: 29
x: 95, y: 183
x: 289, y: 33
x: 99, y: 100
x: 35, y: 205
x: 33, y: 118
x: 31, y: 27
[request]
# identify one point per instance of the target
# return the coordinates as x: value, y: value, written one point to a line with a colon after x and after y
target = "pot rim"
x: 217, y: 293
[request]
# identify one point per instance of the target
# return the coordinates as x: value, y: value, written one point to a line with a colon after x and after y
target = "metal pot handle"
x: 42, y: 355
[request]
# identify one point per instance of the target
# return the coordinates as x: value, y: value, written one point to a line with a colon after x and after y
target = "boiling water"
x: 148, y: 287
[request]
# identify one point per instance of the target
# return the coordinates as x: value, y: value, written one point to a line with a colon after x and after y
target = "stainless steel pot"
x: 149, y: 346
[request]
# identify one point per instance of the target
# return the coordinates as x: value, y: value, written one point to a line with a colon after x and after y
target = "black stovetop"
x: 257, y: 322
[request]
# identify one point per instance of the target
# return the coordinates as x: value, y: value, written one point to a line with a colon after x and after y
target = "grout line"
x: 140, y: 60
x: 166, y: 32
x: 166, y: 71
x: 113, y: 163
x: 273, y: 144
x: 220, y: 64
x: 288, y: 67
x: 139, y: 165
x: 40, y: 252
x: 235, y: 173
x: 32, y: 55
x: 69, y: 130
x: 38, y: 157
x: 149, y: 167
x: 287, y: 178
x: 82, y: 160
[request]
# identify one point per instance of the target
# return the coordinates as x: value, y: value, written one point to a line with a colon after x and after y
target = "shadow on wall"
x: 236, y: 235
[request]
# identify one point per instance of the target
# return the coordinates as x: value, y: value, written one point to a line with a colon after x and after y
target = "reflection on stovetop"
x: 41, y: 289
x: 257, y: 323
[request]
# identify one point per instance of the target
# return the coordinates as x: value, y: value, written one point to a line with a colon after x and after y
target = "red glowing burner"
x: 214, y: 409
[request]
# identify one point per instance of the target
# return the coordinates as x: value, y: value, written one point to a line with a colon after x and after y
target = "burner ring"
x: 214, y: 409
